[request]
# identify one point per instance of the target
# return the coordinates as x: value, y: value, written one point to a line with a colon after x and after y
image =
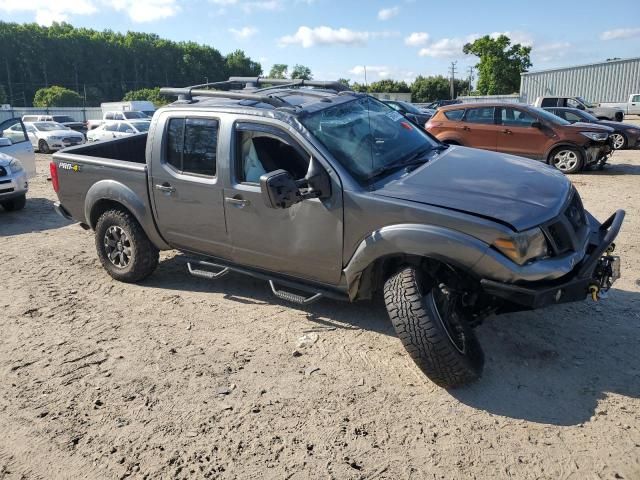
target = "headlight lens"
x: 596, y: 136
x: 524, y: 247
x: 15, y: 166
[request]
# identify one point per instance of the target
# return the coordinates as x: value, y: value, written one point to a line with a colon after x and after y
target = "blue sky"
x: 394, y: 38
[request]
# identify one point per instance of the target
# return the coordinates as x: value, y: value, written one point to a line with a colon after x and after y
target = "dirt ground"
x: 182, y: 378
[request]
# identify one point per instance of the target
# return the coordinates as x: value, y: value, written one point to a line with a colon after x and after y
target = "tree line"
x: 104, y: 65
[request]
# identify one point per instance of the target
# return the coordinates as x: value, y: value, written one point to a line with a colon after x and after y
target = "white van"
x: 148, y: 108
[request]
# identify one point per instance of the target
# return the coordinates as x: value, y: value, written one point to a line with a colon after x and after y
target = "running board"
x: 207, y: 274
x: 292, y: 297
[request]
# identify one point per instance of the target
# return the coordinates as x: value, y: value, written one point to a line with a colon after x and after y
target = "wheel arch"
x: 110, y: 194
x: 384, y: 250
x: 556, y: 146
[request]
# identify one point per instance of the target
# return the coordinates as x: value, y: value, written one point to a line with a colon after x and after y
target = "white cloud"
x: 387, y: 13
x: 620, y: 33
x: 243, y: 33
x: 248, y: 6
x: 417, y: 39
x: 444, y: 48
x: 47, y: 11
x: 142, y: 11
x: 523, y: 38
x: 380, y: 72
x: 310, y: 37
x: 548, y: 52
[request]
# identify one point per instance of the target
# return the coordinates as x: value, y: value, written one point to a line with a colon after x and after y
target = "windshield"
x: 49, y: 126
x: 141, y: 126
x: 62, y: 118
x: 410, y: 108
x: 585, y: 115
x: 131, y: 115
x: 586, y: 102
x: 550, y: 117
x: 365, y: 136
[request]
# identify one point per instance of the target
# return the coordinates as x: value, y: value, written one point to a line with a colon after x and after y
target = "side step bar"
x: 292, y: 297
x: 204, y: 269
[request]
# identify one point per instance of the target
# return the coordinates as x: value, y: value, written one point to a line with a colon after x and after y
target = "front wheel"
x: 124, y: 249
x: 618, y: 141
x: 15, y: 203
x: 429, y: 321
x: 43, y: 147
x: 566, y: 159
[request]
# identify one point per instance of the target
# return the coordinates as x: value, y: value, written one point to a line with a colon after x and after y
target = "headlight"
x: 56, y: 138
x: 15, y: 166
x: 596, y: 136
x: 525, y: 246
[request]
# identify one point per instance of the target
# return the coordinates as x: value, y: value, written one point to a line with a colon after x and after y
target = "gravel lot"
x: 182, y: 378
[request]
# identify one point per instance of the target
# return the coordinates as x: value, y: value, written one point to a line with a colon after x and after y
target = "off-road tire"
x: 144, y: 255
x: 410, y: 304
x: 575, y: 168
x: 14, y: 204
x: 43, y: 147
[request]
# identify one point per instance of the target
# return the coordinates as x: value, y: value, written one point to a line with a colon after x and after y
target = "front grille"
x: 71, y: 140
x: 566, y: 233
x: 6, y: 190
x: 3, y: 172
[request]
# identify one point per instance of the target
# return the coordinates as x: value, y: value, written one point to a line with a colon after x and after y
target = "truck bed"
x: 127, y: 149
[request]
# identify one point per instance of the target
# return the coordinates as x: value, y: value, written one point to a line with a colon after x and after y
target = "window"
x: 30, y: 118
x: 571, y: 117
x: 125, y: 128
x: 513, y: 117
x: 549, y: 102
x: 260, y: 152
x: 111, y: 127
x: 636, y: 98
x: 192, y: 145
x: 454, y: 115
x: 479, y: 115
x: 13, y: 130
x: 62, y: 119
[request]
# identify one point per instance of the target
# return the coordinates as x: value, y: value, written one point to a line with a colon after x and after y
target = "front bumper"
x: 13, y: 185
x: 594, y: 274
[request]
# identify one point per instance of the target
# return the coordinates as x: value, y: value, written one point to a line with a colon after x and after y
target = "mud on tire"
x: 448, y: 360
x: 124, y: 248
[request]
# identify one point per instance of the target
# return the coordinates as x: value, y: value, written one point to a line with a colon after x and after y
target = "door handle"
x: 507, y: 131
x: 165, y: 187
x: 237, y: 202
x: 466, y: 128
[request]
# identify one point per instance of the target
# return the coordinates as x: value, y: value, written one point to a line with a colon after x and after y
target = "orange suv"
x: 525, y: 131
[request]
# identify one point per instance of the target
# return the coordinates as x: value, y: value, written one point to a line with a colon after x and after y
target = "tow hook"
x: 594, y: 290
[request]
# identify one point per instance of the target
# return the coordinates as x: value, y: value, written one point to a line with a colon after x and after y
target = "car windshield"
x: 62, y: 118
x: 132, y: 115
x: 550, y: 117
x: 368, y: 137
x: 586, y: 102
x: 48, y: 126
x: 409, y: 108
x: 141, y: 126
x: 585, y: 115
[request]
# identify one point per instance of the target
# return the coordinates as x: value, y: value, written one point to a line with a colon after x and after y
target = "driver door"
x: 20, y: 147
x: 304, y: 240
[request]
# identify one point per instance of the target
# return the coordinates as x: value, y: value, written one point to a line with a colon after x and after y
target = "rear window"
x: 479, y: 115
x: 62, y: 119
x: 192, y: 145
x: 549, y: 102
x: 454, y: 115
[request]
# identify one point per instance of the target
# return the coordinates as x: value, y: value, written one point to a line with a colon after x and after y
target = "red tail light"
x: 53, y: 169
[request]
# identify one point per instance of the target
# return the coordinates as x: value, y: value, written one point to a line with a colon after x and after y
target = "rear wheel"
x: 124, y: 249
x: 619, y: 116
x: 14, y: 204
x: 429, y: 319
x: 43, y: 147
x: 618, y: 141
x: 566, y: 159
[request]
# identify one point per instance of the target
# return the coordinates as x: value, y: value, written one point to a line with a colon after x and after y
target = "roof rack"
x: 251, y: 84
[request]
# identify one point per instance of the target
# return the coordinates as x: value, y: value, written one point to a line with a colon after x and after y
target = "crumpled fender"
x: 450, y: 246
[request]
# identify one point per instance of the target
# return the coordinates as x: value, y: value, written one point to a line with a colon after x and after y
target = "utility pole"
x: 471, y: 69
x: 452, y: 77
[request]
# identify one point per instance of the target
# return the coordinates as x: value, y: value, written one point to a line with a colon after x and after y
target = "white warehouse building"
x: 611, y: 81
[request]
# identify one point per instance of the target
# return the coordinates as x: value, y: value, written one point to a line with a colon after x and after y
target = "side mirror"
x: 5, y: 142
x: 317, y: 179
x: 580, y: 106
x: 536, y: 125
x: 279, y: 189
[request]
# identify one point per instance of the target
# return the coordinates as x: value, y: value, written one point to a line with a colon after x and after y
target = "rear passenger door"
x: 187, y: 192
x: 517, y: 134
x: 478, y: 128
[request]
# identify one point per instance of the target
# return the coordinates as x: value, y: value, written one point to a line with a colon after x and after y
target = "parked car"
x: 417, y: 116
x: 47, y: 137
x: 525, y: 131
x: 118, y: 115
x: 144, y: 106
x: 442, y: 103
x: 632, y: 107
x: 603, y: 113
x: 111, y: 130
x: 624, y: 135
x: 15, y: 142
x: 14, y: 182
x: 65, y: 120
x: 340, y: 197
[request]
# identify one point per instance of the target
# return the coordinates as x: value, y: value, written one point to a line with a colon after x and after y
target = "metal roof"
x: 585, y: 65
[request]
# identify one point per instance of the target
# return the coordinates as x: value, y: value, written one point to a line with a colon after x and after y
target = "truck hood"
x: 512, y: 190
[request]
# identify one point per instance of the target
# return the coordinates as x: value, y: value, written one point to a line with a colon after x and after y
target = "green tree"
x: 345, y: 81
x: 239, y: 64
x: 150, y: 94
x: 56, y: 96
x: 279, y: 70
x: 301, y: 72
x: 500, y: 64
x: 389, y: 86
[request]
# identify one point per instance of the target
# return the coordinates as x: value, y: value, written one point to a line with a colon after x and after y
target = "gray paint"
x: 597, y: 82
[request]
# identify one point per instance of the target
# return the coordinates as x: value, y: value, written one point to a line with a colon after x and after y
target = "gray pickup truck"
x: 324, y: 192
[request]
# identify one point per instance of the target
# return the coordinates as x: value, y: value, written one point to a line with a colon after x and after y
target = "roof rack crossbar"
x: 257, y: 81
x: 189, y: 92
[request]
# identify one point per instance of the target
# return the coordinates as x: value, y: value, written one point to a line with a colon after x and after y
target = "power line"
x: 452, y: 77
